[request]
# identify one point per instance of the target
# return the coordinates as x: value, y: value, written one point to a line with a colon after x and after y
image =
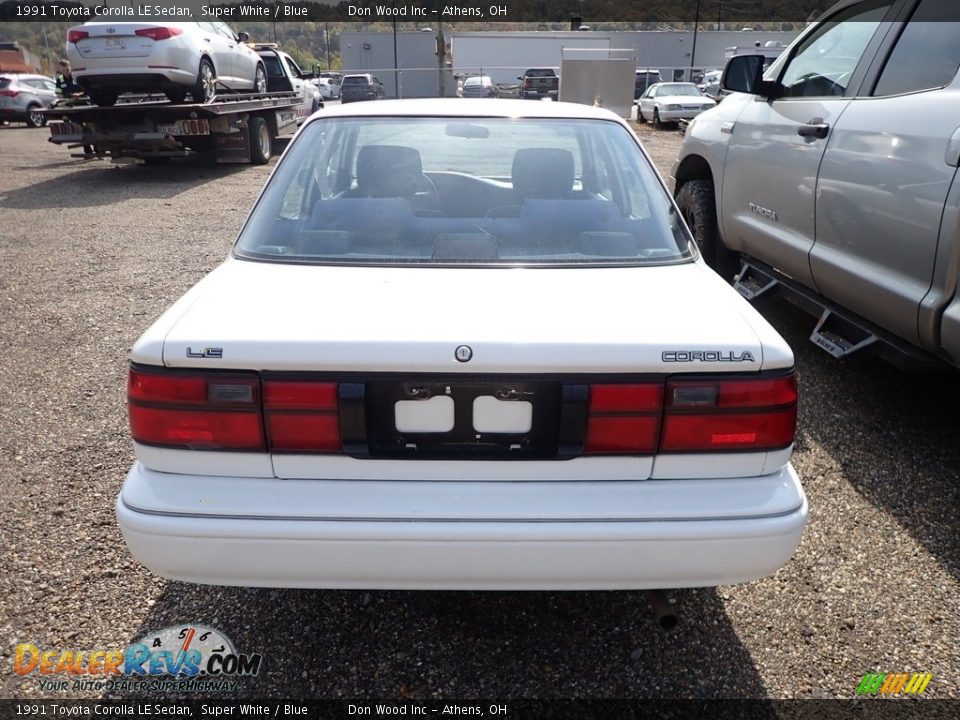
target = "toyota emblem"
x: 463, y: 353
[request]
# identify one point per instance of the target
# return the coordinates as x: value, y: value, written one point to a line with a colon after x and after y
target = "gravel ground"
x: 92, y: 253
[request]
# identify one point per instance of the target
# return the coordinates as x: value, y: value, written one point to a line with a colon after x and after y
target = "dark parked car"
x: 361, y: 87
x: 644, y: 78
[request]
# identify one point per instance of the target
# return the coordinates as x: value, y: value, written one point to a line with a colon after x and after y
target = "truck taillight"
x: 199, y: 411
x: 75, y: 36
x: 159, y: 33
x: 745, y: 415
x: 301, y: 416
x: 692, y: 415
x: 232, y: 411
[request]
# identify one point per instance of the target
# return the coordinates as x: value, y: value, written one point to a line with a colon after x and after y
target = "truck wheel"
x: 698, y: 208
x: 206, y: 85
x: 261, y: 144
x: 103, y: 98
x: 260, y: 80
x: 35, y: 118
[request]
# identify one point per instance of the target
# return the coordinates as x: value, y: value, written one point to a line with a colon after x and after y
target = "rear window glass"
x: 474, y: 191
x: 358, y: 80
x: 5, y: 81
x: 540, y: 73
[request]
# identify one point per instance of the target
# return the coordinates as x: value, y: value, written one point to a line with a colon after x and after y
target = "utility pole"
x: 693, y: 52
x: 719, y: 12
x: 326, y: 42
x: 441, y: 60
x: 396, y: 65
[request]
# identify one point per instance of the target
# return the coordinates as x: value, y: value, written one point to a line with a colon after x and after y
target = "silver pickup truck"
x: 832, y: 177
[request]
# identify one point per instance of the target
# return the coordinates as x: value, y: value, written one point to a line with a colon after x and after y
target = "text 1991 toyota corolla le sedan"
x: 463, y: 345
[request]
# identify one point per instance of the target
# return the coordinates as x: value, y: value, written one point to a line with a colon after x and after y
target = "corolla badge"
x: 463, y: 353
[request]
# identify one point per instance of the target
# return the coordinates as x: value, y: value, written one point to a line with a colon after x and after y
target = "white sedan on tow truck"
x: 463, y: 345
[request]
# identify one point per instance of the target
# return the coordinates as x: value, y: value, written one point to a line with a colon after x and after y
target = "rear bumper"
x: 451, y: 535
x: 137, y: 80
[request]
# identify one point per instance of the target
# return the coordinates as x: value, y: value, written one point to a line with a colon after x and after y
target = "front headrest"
x: 543, y: 172
x: 388, y: 170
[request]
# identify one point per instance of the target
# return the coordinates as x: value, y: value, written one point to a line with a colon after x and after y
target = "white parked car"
x: 672, y: 101
x: 459, y: 345
x: 329, y: 88
x: 177, y: 59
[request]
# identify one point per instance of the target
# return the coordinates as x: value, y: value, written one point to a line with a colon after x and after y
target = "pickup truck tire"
x: 261, y: 143
x: 698, y: 207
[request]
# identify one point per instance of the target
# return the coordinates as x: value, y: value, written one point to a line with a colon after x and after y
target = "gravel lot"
x: 92, y: 253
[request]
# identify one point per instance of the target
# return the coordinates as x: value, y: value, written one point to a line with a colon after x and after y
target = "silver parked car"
x: 479, y: 86
x: 832, y: 177
x: 23, y: 97
x: 177, y: 59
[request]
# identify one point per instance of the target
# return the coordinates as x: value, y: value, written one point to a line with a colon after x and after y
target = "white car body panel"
x: 256, y: 333
x: 538, y: 536
x: 329, y: 520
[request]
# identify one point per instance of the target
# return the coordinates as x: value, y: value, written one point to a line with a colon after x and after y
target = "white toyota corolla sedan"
x: 463, y: 344
x: 176, y: 58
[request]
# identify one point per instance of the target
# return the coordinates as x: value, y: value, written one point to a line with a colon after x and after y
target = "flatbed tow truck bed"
x: 236, y: 128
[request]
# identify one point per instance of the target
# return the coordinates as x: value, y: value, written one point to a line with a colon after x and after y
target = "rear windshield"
x: 356, y: 80
x: 540, y: 73
x: 464, y: 191
x: 5, y: 81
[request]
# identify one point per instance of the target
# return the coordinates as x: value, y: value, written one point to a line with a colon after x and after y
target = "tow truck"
x: 233, y: 127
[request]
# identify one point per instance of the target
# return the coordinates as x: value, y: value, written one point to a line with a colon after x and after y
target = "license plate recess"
x: 530, y: 426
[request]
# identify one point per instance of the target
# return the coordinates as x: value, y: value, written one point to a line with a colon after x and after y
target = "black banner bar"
x: 652, y: 14
x: 864, y: 709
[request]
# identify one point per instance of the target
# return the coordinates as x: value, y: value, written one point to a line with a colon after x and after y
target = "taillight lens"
x: 195, y: 411
x: 301, y: 416
x: 747, y: 415
x: 692, y: 415
x: 229, y: 411
x: 75, y: 36
x: 159, y: 33
x: 624, y: 418
x: 9, y: 93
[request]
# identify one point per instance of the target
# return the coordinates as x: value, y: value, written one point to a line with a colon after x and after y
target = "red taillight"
x: 159, y: 33
x: 755, y: 414
x: 75, y: 36
x: 9, y: 93
x: 301, y: 416
x: 624, y: 418
x: 745, y: 414
x: 195, y: 410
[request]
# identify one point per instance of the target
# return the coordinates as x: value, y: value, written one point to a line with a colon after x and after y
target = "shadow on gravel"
x: 97, y: 183
x: 355, y: 644
x: 893, y: 432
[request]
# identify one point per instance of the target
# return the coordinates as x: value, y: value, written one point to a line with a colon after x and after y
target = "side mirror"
x: 744, y: 74
x: 243, y: 37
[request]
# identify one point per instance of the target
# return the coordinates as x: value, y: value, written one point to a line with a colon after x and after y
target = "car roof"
x: 459, y: 107
x: 25, y: 76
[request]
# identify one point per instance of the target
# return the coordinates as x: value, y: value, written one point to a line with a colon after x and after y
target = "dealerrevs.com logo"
x: 894, y: 683
x: 180, y: 658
